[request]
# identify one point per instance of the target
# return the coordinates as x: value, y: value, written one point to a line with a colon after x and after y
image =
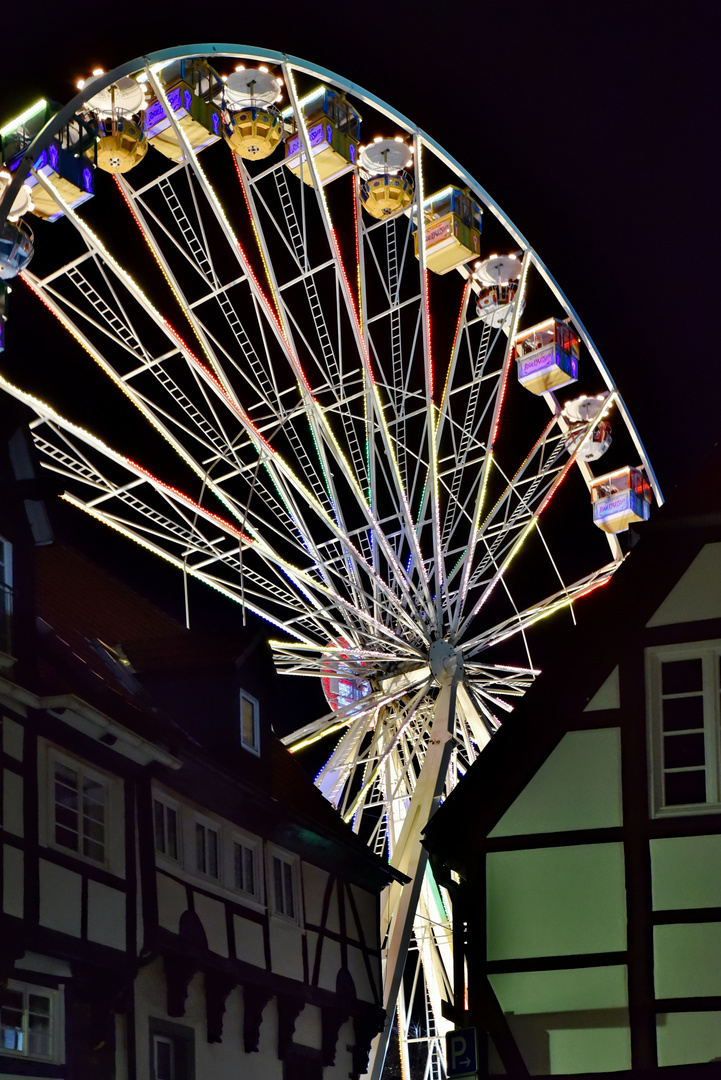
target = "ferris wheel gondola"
x: 331, y: 366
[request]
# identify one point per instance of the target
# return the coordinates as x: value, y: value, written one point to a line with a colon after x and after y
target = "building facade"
x: 583, y: 851
x: 178, y: 900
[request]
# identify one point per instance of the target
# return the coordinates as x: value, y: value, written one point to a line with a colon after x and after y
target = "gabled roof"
x: 611, y: 622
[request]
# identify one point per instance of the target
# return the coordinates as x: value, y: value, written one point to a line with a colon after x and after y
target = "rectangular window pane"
x: 66, y: 806
x: 159, y: 825
x: 164, y: 1058
x: 289, y: 898
x: 239, y: 867
x: 247, y: 719
x: 248, y: 873
x: 278, y: 885
x: 683, y: 751
x: 683, y: 713
x: 682, y: 676
x: 200, y: 861
x: 212, y: 837
x: 11, y: 1020
x: 171, y: 818
x: 685, y: 788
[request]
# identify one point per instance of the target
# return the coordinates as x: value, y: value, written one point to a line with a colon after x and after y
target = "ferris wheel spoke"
x: 322, y: 461
x: 556, y: 602
x: 488, y: 459
x: 392, y: 739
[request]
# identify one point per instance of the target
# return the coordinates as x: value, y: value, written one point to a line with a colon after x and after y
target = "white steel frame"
x: 340, y: 489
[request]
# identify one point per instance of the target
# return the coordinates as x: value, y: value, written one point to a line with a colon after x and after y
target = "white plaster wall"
x: 212, y: 915
x: 12, y: 738
x: 368, y: 907
x: 330, y: 963
x: 249, y: 941
x: 106, y: 915
x: 314, y: 883
x: 13, y: 882
x: 13, y: 803
x: 60, y: 898
x: 226, y: 1060
x: 359, y: 974
x: 286, y: 948
x: 172, y: 902
x: 308, y: 1028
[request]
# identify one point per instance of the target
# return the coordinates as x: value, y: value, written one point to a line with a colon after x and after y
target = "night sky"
x: 593, y: 125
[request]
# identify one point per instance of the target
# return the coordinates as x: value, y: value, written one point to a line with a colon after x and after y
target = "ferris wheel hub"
x: 445, y: 662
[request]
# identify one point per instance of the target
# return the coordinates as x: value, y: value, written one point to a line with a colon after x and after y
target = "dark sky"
x: 593, y: 125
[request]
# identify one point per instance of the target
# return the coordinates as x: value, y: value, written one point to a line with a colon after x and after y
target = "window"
x: 246, y: 869
x: 28, y: 1019
x: 79, y: 800
x: 166, y: 828
x: 172, y: 1051
x: 684, y: 726
x: 282, y: 886
x: 206, y: 850
x: 6, y: 595
x: 249, y: 726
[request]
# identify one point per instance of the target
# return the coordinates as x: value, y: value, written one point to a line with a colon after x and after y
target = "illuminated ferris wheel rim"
x: 427, y: 703
x: 237, y: 51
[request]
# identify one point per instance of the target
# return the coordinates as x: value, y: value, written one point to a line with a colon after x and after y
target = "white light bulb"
x: 98, y: 71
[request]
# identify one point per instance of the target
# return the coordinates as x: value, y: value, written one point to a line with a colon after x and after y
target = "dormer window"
x: 249, y: 723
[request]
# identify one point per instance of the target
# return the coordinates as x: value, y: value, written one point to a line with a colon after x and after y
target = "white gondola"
x: 497, y: 279
x: 252, y: 126
x: 121, y: 141
x: 579, y: 413
x: 386, y: 187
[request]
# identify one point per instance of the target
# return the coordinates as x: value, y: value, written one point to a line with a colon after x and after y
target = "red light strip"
x: 191, y: 503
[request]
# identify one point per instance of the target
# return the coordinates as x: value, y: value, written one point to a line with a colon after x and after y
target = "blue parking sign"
x: 461, y: 1053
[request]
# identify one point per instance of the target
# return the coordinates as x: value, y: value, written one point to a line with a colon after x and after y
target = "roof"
x: 611, y: 621
x: 89, y: 622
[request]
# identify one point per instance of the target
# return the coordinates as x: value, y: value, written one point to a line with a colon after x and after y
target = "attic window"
x: 249, y: 723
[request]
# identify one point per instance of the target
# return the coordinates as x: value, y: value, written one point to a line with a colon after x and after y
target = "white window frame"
x: 708, y: 652
x: 168, y: 804
x: 55, y: 997
x: 255, y: 747
x: 291, y: 861
x: 254, y: 844
x: 214, y: 827
x: 55, y: 757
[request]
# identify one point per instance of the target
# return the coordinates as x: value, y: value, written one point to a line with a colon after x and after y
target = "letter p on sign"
x: 461, y: 1053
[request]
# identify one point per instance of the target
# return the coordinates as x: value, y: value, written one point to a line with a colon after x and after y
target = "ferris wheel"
x: 350, y: 397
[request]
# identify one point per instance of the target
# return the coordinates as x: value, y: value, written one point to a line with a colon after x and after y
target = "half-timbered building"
x: 583, y: 850
x: 178, y: 901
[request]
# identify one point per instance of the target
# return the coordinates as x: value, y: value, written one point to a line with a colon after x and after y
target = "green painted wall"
x: 685, y: 872
x: 569, y: 1021
x: 577, y: 787
x: 687, y: 959
x: 567, y: 990
x: 688, y: 1038
x: 556, y: 901
x: 697, y: 595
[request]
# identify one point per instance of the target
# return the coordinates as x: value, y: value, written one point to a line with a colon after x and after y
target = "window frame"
x: 199, y: 820
x: 182, y: 1039
x: 709, y: 652
x: 293, y: 863
x: 57, y: 757
x: 255, y: 747
x: 55, y: 998
x: 168, y: 804
x: 255, y: 845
